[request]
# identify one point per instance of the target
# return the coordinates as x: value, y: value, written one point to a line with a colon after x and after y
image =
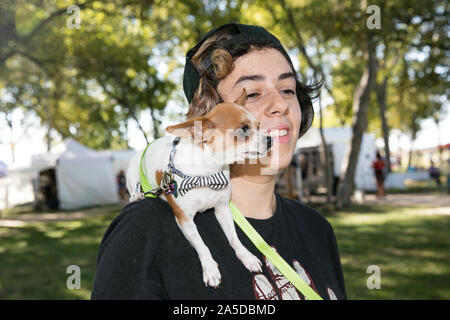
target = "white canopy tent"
x: 340, y: 140
x: 84, y: 177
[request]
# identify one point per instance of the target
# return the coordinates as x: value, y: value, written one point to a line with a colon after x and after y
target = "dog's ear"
x: 242, y: 99
x: 192, y: 129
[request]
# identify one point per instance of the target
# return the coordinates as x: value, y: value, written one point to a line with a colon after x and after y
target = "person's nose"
x: 276, y: 104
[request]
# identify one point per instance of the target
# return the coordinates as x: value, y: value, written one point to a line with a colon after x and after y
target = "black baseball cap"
x: 246, y: 34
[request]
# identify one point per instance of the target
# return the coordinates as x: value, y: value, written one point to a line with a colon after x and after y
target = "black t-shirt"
x: 144, y: 255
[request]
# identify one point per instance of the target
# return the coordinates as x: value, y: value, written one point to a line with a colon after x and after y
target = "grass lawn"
x: 410, y: 247
x: 34, y: 258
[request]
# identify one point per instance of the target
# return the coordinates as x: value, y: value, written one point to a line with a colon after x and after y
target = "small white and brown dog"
x: 205, y: 147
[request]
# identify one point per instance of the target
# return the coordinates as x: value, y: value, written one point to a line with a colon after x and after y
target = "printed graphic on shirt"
x: 331, y: 294
x: 283, y: 289
x: 303, y: 274
x: 264, y: 290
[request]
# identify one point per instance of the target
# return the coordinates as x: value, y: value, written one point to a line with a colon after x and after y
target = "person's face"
x: 271, y: 98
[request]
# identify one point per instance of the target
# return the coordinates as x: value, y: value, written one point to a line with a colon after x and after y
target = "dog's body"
x: 203, y: 159
x: 156, y: 159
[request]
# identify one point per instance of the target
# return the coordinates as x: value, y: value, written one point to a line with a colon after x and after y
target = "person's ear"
x: 242, y: 98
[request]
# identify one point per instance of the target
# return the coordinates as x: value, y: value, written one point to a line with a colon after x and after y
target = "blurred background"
x: 85, y: 84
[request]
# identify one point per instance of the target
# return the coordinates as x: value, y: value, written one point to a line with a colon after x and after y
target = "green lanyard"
x: 144, y: 182
x: 273, y: 256
x: 257, y: 240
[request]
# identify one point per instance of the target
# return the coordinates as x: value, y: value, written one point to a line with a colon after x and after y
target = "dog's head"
x: 228, y: 133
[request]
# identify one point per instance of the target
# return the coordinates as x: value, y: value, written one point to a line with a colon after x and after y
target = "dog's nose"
x: 269, y: 142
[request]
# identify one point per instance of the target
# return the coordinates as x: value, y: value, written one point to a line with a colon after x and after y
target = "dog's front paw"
x: 252, y: 263
x: 136, y: 196
x: 211, y: 275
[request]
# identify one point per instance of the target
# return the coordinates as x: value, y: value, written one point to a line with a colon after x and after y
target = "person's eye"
x: 288, y: 91
x: 252, y: 95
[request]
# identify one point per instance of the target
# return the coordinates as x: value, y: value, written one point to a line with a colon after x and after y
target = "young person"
x: 379, y: 168
x: 144, y: 254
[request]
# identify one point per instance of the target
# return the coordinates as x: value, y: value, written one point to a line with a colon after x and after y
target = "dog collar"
x: 172, y: 154
x: 215, y: 181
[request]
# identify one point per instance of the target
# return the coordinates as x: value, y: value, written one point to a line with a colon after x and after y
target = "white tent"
x: 120, y: 158
x: 340, y: 140
x: 84, y: 177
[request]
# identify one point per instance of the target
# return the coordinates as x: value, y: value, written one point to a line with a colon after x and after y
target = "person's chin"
x: 275, y: 165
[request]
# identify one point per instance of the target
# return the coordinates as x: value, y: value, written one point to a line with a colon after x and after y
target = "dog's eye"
x: 243, y: 132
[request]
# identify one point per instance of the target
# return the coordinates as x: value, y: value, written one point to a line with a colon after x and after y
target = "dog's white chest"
x: 202, y: 199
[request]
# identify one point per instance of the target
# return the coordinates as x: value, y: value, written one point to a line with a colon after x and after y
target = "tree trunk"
x: 156, y: 124
x: 436, y: 122
x: 125, y: 135
x: 48, y: 111
x: 329, y: 170
x: 133, y: 115
x: 413, y: 137
x: 381, y: 97
x: 11, y: 141
x: 360, y: 107
x: 13, y: 156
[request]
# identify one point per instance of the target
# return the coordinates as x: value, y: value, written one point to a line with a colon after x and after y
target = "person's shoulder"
x: 138, y: 217
x: 306, y: 214
x: 139, y: 211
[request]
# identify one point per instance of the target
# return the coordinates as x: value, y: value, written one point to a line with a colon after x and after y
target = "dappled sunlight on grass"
x: 411, y: 249
x: 38, y: 254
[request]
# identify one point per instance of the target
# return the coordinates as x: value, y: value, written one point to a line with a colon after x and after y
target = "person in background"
x: 379, y: 168
x: 447, y: 174
x: 435, y: 173
x: 122, y: 185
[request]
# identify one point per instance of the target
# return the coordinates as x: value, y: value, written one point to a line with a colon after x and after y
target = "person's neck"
x: 253, y: 194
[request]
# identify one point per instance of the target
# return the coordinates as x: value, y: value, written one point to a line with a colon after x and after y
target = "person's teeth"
x: 278, y: 133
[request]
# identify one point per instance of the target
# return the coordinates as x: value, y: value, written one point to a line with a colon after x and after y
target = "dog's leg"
x: 225, y: 218
x: 133, y: 179
x: 211, y: 274
x: 137, y: 194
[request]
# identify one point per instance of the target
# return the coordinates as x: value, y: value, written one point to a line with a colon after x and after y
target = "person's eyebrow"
x: 260, y: 77
x: 254, y: 77
x: 286, y: 75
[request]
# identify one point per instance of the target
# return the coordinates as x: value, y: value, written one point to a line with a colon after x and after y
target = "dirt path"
x: 435, y: 203
x: 24, y: 218
x: 427, y: 200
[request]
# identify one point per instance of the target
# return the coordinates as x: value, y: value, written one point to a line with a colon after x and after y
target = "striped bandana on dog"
x: 215, y: 181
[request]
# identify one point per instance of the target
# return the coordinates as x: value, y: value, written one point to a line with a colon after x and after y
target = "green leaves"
x: 127, y: 56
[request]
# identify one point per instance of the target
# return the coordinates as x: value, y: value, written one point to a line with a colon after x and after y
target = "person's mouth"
x: 281, y: 133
